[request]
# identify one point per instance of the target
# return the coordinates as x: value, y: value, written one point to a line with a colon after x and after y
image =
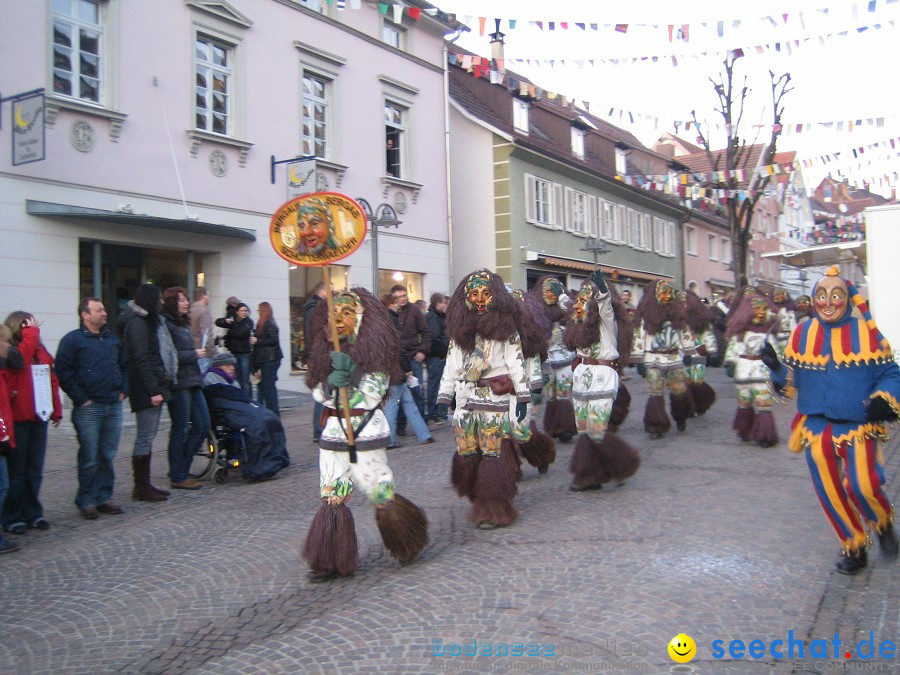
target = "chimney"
x: 497, y: 48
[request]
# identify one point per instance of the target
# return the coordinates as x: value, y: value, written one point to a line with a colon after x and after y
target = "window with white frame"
x: 395, y: 139
x: 578, y: 142
x: 690, y: 240
x: 646, y: 231
x: 620, y: 229
x: 78, y: 49
x: 520, y: 115
x: 607, y: 216
x: 621, y: 163
x: 726, y: 250
x: 594, y: 216
x: 634, y: 229
x: 213, y: 86
x: 664, y: 234
x: 576, y: 211
x: 713, y: 246
x: 314, y: 110
x: 392, y: 34
x: 320, y: 6
x: 540, y: 201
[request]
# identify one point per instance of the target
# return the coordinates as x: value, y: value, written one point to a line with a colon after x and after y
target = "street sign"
x: 28, y: 129
x: 317, y: 229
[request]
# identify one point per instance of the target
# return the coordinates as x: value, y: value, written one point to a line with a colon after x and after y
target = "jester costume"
x: 700, y: 320
x: 559, y: 415
x: 365, y: 367
x: 662, y: 340
x: 485, y: 370
x: 536, y: 447
x: 751, y: 325
x: 847, y: 386
x: 600, y: 455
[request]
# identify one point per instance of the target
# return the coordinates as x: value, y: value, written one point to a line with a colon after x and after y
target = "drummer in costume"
x: 848, y: 390
x: 366, y: 365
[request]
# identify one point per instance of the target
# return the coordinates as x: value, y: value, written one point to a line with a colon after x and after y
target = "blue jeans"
x: 4, y: 481
x: 146, y: 426
x: 190, y: 425
x: 400, y: 395
x: 417, y: 395
x: 25, y: 463
x: 242, y: 373
x: 435, y: 370
x: 99, y: 427
x: 266, y: 391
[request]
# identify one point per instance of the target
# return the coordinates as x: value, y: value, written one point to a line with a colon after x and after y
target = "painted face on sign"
x: 830, y: 299
x: 312, y: 230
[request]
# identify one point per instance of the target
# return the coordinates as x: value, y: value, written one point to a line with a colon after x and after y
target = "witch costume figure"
x: 600, y: 455
x: 366, y: 365
x: 700, y: 319
x: 751, y: 325
x: 780, y: 299
x: 663, y: 341
x: 485, y: 370
x: 848, y: 391
x: 536, y: 447
x: 559, y: 414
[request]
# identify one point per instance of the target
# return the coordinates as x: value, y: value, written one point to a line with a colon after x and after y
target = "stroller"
x: 243, y: 437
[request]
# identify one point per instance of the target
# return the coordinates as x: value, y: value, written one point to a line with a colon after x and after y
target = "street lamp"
x: 596, y: 246
x: 383, y: 216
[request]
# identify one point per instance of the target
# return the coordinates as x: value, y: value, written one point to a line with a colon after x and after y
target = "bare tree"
x: 737, y: 155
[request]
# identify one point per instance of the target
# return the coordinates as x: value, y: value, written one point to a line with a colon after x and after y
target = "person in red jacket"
x: 35, y: 397
x: 7, y: 433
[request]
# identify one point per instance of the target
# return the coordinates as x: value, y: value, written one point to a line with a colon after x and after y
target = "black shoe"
x: 887, y: 542
x: 565, y: 437
x: 17, y: 528
x: 40, y: 524
x: 681, y: 425
x: 574, y: 487
x: 430, y: 439
x: 90, y: 513
x: 543, y: 468
x: 852, y: 564
x: 392, y: 447
x: 110, y: 509
x: 7, y: 546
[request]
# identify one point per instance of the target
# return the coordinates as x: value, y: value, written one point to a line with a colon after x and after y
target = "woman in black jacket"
x: 266, y: 358
x: 150, y: 379
x: 187, y: 407
x: 239, y: 340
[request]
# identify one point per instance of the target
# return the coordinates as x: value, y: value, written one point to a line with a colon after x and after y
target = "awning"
x: 721, y: 283
x: 821, y: 256
x: 66, y: 212
x: 615, y: 272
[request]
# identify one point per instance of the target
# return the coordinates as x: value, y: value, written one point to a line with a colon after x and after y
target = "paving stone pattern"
x: 713, y: 537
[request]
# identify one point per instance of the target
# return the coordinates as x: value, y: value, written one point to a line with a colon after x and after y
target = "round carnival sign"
x: 317, y: 229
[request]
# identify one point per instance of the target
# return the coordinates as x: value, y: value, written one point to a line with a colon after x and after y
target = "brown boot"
x: 143, y: 491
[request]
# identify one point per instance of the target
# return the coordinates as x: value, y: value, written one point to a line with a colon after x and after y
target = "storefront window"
x: 302, y: 283
x: 411, y: 281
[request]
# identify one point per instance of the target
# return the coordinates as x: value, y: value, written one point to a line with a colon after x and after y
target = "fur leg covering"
x: 656, y: 419
x: 509, y: 454
x: 744, y: 419
x: 682, y: 406
x: 597, y: 462
x: 704, y: 396
x: 495, y: 488
x: 463, y: 472
x: 403, y: 527
x: 559, y: 418
x: 764, y: 431
x: 331, y: 542
x: 539, y: 450
x: 620, y: 407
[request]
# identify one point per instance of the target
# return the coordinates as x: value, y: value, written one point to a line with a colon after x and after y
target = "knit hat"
x: 223, y: 359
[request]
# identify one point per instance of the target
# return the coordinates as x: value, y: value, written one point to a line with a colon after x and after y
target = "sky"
x: 835, y: 78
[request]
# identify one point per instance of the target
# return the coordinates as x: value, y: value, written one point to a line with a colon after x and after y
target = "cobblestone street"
x: 712, y: 537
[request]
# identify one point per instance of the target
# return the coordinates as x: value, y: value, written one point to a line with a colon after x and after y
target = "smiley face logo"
x: 682, y: 648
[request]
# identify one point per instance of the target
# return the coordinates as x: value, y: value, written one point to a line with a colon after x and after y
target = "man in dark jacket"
x: 90, y: 365
x: 309, y: 308
x: 435, y: 318
x: 416, y: 343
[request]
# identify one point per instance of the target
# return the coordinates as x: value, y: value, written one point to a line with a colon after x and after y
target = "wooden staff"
x: 336, y: 343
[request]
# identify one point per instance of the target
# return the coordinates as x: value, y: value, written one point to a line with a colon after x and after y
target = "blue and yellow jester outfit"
x: 836, y: 369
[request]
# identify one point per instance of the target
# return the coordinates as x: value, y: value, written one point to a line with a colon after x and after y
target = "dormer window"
x: 520, y: 115
x: 621, y: 164
x: 578, y: 142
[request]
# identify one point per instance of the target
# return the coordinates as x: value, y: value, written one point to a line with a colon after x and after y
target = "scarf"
x: 167, y: 351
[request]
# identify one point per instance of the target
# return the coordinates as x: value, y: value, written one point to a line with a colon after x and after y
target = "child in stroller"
x: 249, y: 434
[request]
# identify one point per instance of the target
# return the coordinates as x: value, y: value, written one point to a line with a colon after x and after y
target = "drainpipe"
x: 680, y: 245
x: 452, y: 282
